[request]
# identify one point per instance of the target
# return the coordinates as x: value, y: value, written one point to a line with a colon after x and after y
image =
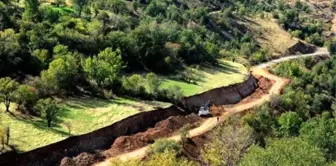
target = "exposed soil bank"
x: 125, y: 144
x: 222, y: 96
x: 99, y: 139
x: 264, y: 85
x: 103, y: 138
x: 300, y: 47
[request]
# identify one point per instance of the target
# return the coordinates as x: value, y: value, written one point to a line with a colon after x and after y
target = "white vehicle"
x: 204, y: 110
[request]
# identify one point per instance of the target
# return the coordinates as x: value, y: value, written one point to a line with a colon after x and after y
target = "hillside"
x: 71, y: 69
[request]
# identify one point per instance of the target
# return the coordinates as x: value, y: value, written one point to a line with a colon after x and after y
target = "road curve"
x: 209, y: 124
x: 318, y: 52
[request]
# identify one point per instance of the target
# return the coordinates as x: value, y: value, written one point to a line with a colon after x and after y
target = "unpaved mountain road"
x: 209, y: 124
x: 318, y: 52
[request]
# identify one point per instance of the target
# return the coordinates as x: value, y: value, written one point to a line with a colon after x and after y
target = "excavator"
x: 204, y: 110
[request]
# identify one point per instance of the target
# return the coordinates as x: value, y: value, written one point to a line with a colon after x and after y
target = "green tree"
x: 153, y: 83
x: 60, y: 74
x: 118, y: 6
x: 31, y: 9
x: 9, y: 50
x: 332, y: 46
x: 80, y: 5
x: 135, y: 5
x: 174, y: 93
x: 7, y: 91
x: 48, y: 108
x: 133, y: 84
x: 62, y: 71
x: 42, y: 55
x: 321, y: 132
x: 25, y: 96
x: 104, y: 68
x: 104, y: 18
x: 289, y: 152
x: 289, y: 124
x: 262, y: 123
x: 229, y: 142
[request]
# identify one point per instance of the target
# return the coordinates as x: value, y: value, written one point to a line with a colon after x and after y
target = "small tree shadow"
x: 42, y: 124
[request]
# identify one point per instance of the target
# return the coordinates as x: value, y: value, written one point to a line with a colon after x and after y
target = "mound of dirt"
x: 84, y: 159
x: 162, y: 129
x: 193, y: 147
x: 300, y: 47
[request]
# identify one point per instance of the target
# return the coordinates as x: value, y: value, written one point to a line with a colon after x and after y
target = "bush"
x: 152, y: 83
x: 291, y: 151
x: 133, y: 85
x: 174, y: 94
x: 296, y: 33
x: 275, y: 15
x: 259, y: 57
x: 162, y: 145
x: 332, y: 47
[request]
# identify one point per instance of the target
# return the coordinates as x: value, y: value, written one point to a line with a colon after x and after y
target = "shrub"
x: 133, y: 85
x: 174, y: 93
x: 332, y: 47
x: 259, y: 57
x: 162, y: 145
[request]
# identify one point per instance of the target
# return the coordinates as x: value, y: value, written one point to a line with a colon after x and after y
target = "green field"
x: 88, y: 114
x: 197, y: 80
x: 84, y: 115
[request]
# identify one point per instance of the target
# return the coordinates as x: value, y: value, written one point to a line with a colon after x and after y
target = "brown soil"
x: 264, y: 85
x: 192, y: 148
x: 84, y: 159
x: 165, y: 128
x: 162, y: 129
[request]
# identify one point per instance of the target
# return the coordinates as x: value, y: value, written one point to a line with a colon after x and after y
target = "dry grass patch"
x: 270, y: 35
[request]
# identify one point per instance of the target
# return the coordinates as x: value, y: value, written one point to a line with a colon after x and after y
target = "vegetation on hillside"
x: 299, y: 122
x: 149, y: 50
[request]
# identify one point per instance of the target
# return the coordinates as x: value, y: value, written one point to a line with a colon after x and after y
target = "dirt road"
x: 210, y: 123
x: 319, y: 52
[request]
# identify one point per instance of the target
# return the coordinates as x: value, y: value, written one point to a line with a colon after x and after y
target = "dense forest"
x: 109, y: 48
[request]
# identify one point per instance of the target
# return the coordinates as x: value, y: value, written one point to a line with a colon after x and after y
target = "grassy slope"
x: 84, y: 115
x: 89, y: 114
x: 208, y: 77
x: 270, y: 35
